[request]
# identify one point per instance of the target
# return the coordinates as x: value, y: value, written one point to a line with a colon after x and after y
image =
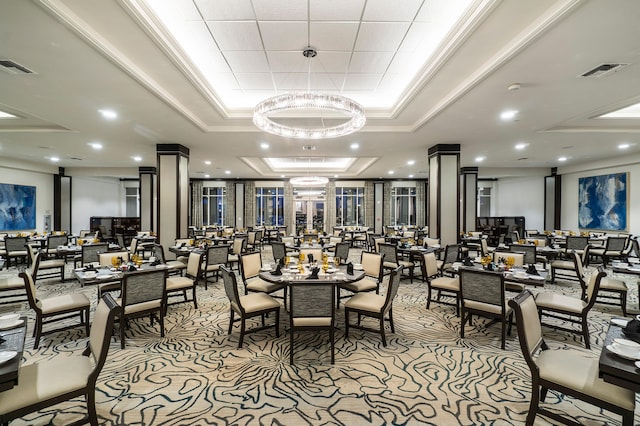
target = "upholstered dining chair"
x: 174, y: 267
x: 613, y: 249
x: 55, y: 241
x: 143, y: 293
x: 311, y: 308
x: 16, y: 250
x: 375, y: 306
x: 342, y: 251
x: 518, y: 258
x: 567, y: 372
x: 449, y: 286
x: 49, y: 382
x: 278, y: 250
x: 89, y: 254
x: 392, y: 261
x: 451, y: 255
x: 373, y: 275
x: 180, y: 284
x: 316, y: 252
x: 248, y: 306
x: 49, y: 267
x: 290, y: 242
x: 250, y: 265
x: 238, y: 247
x: 568, y: 269
x: 572, y: 309
x: 613, y: 292
x: 483, y: 293
x: 55, y: 308
x: 217, y: 257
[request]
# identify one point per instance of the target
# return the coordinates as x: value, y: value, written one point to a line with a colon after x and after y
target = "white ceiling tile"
x: 210, y: 61
x: 236, y: 35
x: 226, y: 81
x: 280, y: 10
x: 225, y: 10
x: 247, y: 61
x: 174, y: 11
x: 300, y: 81
x: 332, y: 62
x: 380, y: 36
x: 362, y: 81
x: 336, y: 10
x: 442, y: 10
x: 255, y: 81
x: 291, y: 35
x: 288, y: 62
x: 370, y: 62
x: 333, y: 35
x: 385, y: 10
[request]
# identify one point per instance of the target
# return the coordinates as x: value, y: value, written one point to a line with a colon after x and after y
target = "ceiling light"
x: 410, y: 176
x: 206, y: 176
x: 509, y: 114
x: 521, y: 146
x: 4, y: 114
x: 54, y: 159
x: 624, y: 146
x: 281, y: 176
x: 264, y: 145
x: 632, y: 111
x: 136, y: 158
x: 355, y: 146
x: 562, y: 159
x: 309, y: 101
x: 411, y: 162
x: 108, y: 114
x: 335, y: 176
x: 309, y: 180
x: 480, y: 159
x: 227, y: 172
x: 207, y: 162
x: 95, y: 145
x: 513, y: 87
x: 391, y: 172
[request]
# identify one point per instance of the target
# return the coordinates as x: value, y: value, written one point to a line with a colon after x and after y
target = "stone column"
x: 469, y: 198
x: 552, y: 200
x: 173, y: 192
x: 444, y: 193
x: 148, y: 198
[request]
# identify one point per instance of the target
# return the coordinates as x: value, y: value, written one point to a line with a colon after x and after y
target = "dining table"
x: 613, y: 368
x: 516, y: 275
x: 12, y: 340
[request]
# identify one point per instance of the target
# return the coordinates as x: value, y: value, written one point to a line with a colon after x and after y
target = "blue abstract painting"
x: 602, y: 202
x: 17, y: 207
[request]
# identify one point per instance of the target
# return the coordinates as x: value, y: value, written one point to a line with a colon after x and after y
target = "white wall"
x: 521, y: 196
x: 94, y: 196
x: 43, y: 181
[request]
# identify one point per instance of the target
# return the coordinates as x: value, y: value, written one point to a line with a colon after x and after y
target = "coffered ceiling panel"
x: 224, y: 10
x: 232, y: 35
x: 384, y: 10
x: 380, y: 36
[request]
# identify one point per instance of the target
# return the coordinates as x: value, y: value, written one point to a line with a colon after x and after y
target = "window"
x: 403, y: 206
x: 349, y: 206
x: 484, y: 201
x: 132, y: 202
x: 269, y: 206
x: 213, y: 205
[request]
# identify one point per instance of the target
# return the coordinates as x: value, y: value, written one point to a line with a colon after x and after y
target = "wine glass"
x: 336, y: 261
x: 287, y: 259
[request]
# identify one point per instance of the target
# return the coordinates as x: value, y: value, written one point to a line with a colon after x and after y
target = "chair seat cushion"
x: 18, y: 253
x: 596, y: 252
x: 563, y: 264
x: 183, y: 259
x: 51, y: 264
x: 178, y: 283
x: 390, y: 265
x: 256, y: 302
x: 213, y: 268
x: 406, y: 264
x: 446, y: 283
x: 560, y: 302
x: 45, y: 380
x: 573, y: 370
x: 366, y: 302
x: 140, y: 307
x: 258, y: 284
x: 63, y: 303
x: 486, y: 307
x: 233, y: 258
x: 176, y: 264
x: 365, y: 284
x: 11, y: 283
x: 312, y: 322
x: 612, y: 284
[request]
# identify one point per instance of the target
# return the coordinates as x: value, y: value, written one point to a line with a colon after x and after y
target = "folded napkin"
x: 278, y: 270
x: 310, y: 257
x: 531, y: 270
x: 89, y: 267
x: 314, y: 274
x: 633, y: 326
x: 321, y: 243
x: 490, y: 267
x: 350, y: 268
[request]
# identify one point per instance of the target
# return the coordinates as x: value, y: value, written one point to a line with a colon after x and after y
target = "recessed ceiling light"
x: 4, y: 114
x: 391, y: 172
x: 264, y: 145
x: 54, y: 159
x: 509, y: 114
x: 207, y: 176
x: 480, y: 159
x: 410, y: 176
x: 95, y: 145
x: 136, y: 158
x: 108, y: 114
x: 228, y: 172
x: 335, y: 176
x: 411, y: 162
x: 282, y: 176
x: 562, y: 159
x: 207, y: 162
x: 521, y: 146
x: 624, y: 146
x: 355, y: 145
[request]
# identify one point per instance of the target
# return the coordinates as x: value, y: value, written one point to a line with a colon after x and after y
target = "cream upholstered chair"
x: 50, y: 267
x: 613, y: 292
x: 248, y: 306
x: 56, y: 308
x: 174, y: 267
x: 250, y: 265
x: 311, y: 308
x: 14, y: 285
x: 482, y: 293
x: 567, y: 269
x: 289, y: 243
x: 391, y: 260
x: 373, y: 274
x: 342, y: 251
x: 143, y: 293
x: 450, y: 286
x: 49, y: 382
x: 567, y: 372
x: 16, y: 250
x: 613, y: 249
x: 106, y: 259
x: 183, y: 242
x: 572, y: 309
x: 316, y: 252
x: 180, y: 284
x: 518, y: 258
x: 375, y: 306
x: 237, y: 249
x: 216, y: 258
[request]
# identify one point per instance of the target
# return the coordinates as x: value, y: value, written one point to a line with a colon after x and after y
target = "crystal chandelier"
x: 309, y: 181
x: 302, y: 101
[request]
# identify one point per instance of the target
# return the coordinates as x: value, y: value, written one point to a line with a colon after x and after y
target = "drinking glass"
x: 336, y: 261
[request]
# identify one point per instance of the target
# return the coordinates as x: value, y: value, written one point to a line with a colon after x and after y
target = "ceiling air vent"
x: 12, y: 67
x: 602, y: 70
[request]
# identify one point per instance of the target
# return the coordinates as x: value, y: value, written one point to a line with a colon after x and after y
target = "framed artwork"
x: 17, y: 207
x: 602, y: 202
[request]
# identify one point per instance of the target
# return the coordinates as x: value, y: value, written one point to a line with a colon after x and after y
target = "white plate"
x: 15, y: 324
x: 615, y: 350
x: 104, y: 276
x: 265, y: 269
x: 619, y: 321
x: 536, y: 277
x: 7, y: 355
x: 637, y: 363
x: 628, y: 343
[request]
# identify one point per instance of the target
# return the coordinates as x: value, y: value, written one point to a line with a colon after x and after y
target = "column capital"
x: 147, y: 170
x: 468, y: 170
x: 451, y: 148
x: 172, y: 148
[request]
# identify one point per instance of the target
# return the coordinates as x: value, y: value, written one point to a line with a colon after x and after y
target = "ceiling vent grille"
x: 12, y: 67
x: 602, y: 70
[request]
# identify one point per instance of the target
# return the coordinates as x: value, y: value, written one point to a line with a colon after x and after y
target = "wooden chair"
x: 216, y: 258
x: 342, y: 251
x: 248, y: 306
x: 90, y: 254
x: 56, y: 308
x: 16, y: 250
x: 278, y: 250
x: 613, y: 292
x: 569, y: 373
x: 250, y: 265
x: 238, y: 248
x: 613, y: 249
x: 50, y: 267
x: 174, y: 267
x: 49, y: 382
x: 373, y: 275
x: 450, y: 286
x: 375, y: 306
x: 55, y: 241
x: 391, y: 260
x: 180, y: 284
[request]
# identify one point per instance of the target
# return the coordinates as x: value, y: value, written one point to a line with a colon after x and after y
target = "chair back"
x: 288, y: 240
x: 231, y: 289
x: 105, y: 259
x: 593, y: 285
x: 335, y: 240
x: 278, y: 250
x: 316, y: 252
x: 100, y: 335
x: 342, y: 250
x: 616, y: 244
x: 158, y: 253
x: 484, y: 247
x: 194, y: 265
x: 84, y: 233
x: 251, y: 238
x: 390, y: 252
x: 54, y: 241
x: 528, y: 250
x: 531, y: 233
x: 250, y: 265
x: 134, y: 245
x: 392, y: 289
x: 518, y: 258
x: 90, y: 252
x: 30, y: 284
x: 143, y: 286
x: 14, y: 244
x: 372, y: 264
x: 376, y: 243
x: 217, y: 255
x: 313, y: 302
x: 429, y: 266
x: 482, y: 286
x: 120, y: 240
x: 427, y: 241
x: 635, y: 248
x: 575, y: 242
x: 451, y: 253
x: 239, y: 245
x: 529, y: 328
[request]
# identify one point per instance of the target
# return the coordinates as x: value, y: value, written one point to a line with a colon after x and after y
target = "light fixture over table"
x: 301, y: 101
x: 309, y: 181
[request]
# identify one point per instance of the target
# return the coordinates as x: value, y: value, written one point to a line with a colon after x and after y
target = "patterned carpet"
x: 195, y: 375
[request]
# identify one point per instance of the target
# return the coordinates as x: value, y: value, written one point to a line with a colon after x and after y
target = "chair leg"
x: 428, y: 295
x: 391, y: 320
x: 585, y: 332
x: 161, y: 321
x: 384, y: 339
x: 231, y: 315
x: 291, y: 346
x: 38, y: 332
x: 503, y: 333
x: 122, y: 326
x: 242, y: 330
x: 278, y: 322
x: 90, y: 397
x: 533, y: 405
x: 346, y: 322
x: 623, y: 303
x: 87, y: 327
x: 195, y: 302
